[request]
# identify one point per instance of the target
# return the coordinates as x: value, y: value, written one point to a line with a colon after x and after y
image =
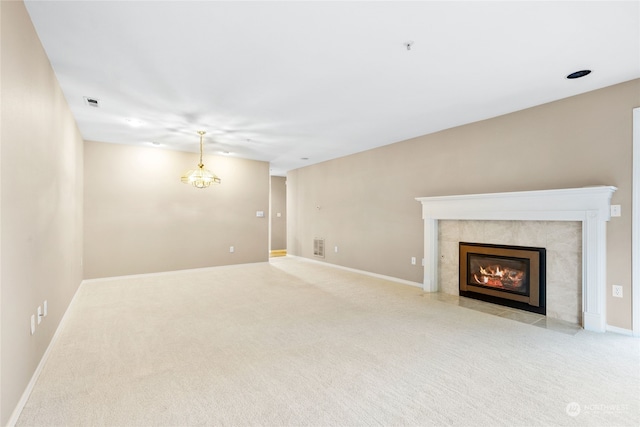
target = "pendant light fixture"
x: 201, y: 177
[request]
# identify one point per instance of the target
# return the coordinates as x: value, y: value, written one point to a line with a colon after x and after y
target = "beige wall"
x: 139, y: 217
x: 278, y: 206
x: 40, y: 200
x: 365, y: 204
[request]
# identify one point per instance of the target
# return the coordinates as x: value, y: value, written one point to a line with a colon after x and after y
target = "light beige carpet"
x: 292, y: 342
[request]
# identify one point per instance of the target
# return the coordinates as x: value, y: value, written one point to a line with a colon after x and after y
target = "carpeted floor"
x: 291, y: 342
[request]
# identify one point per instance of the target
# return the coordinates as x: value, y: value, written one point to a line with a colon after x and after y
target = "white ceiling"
x: 282, y: 81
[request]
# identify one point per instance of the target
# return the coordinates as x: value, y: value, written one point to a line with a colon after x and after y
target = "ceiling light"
x: 135, y: 123
x: 578, y: 74
x: 201, y: 177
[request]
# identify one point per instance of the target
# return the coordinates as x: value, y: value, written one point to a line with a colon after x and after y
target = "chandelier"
x: 201, y: 177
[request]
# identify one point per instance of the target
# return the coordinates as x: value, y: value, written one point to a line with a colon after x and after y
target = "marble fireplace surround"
x: 589, y: 205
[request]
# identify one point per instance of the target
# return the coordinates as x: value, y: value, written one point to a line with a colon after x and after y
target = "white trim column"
x: 635, y: 227
x: 430, y: 283
x: 594, y: 273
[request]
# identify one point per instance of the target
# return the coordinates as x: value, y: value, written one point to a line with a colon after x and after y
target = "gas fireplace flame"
x: 491, y: 273
x: 499, y: 277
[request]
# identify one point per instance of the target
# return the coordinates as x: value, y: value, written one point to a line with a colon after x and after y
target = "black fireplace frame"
x: 535, y: 304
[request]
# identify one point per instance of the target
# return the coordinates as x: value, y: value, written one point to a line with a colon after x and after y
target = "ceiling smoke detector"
x: 92, y: 102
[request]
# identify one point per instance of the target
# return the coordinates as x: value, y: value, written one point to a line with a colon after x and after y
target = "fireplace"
x: 514, y: 276
x: 589, y: 205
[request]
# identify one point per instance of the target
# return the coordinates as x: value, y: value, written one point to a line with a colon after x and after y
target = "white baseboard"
x: 13, y: 419
x: 164, y: 273
x: 618, y: 330
x: 366, y: 273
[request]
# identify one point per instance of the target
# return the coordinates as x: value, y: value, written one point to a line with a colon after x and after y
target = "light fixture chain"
x: 201, y: 147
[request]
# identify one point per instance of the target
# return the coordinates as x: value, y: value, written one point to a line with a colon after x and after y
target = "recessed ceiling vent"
x: 92, y: 102
x: 578, y: 74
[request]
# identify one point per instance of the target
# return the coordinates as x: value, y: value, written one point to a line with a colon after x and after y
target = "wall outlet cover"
x: 617, y: 291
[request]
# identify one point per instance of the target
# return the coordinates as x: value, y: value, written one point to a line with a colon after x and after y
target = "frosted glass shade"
x: 200, y: 178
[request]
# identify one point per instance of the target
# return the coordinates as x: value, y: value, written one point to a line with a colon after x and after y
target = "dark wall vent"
x: 92, y: 102
x: 318, y: 247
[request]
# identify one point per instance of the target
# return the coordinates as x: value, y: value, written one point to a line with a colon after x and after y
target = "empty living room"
x: 317, y: 213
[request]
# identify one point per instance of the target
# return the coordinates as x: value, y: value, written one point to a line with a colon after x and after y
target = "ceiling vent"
x: 92, y: 102
x: 579, y: 74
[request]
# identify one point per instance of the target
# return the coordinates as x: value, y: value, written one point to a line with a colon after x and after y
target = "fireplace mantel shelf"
x: 590, y: 205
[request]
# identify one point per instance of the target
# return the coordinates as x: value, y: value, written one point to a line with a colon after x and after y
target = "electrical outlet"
x: 617, y: 291
x: 335, y: 249
x: 33, y: 324
x: 232, y: 249
x: 45, y: 308
x: 39, y: 314
x: 413, y: 260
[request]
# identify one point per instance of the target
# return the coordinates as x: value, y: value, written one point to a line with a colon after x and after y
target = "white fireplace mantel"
x: 590, y: 205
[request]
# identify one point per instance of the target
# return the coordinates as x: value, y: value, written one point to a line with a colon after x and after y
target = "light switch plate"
x: 616, y: 210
